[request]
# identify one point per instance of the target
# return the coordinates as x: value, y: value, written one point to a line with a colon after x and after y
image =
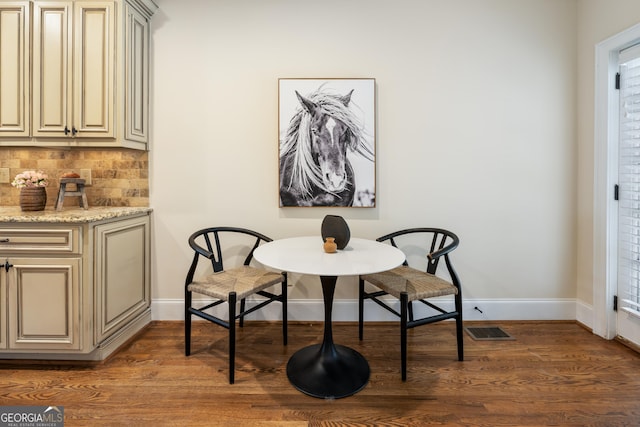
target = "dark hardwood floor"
x: 553, y: 373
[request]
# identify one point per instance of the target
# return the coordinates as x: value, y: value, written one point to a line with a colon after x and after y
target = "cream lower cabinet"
x: 121, y: 261
x: 3, y: 314
x: 75, y: 292
x: 43, y: 309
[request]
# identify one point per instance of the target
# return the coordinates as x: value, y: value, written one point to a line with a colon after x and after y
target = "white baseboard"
x: 347, y: 310
x: 584, y: 314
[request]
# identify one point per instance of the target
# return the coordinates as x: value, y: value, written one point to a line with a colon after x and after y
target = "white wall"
x: 476, y: 132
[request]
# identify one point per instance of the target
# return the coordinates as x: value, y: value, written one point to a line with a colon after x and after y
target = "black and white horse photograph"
x: 327, y: 142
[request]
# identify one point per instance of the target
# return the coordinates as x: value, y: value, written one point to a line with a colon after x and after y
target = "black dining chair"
x: 229, y: 285
x: 411, y: 285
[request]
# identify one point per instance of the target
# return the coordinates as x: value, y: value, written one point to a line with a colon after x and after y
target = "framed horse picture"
x: 327, y: 151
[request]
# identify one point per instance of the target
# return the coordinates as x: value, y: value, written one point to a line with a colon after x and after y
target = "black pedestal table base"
x: 340, y: 373
x: 327, y: 370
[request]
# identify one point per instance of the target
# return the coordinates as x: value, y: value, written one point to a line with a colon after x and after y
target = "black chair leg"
x: 459, y: 332
x: 187, y: 323
x: 232, y: 337
x: 460, y: 339
x: 243, y: 304
x: 360, y: 308
x: 403, y: 333
x: 283, y: 295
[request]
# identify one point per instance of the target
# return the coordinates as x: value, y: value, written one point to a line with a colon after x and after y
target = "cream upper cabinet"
x: 14, y: 63
x: 89, y: 73
x: 137, y: 75
x: 73, y: 69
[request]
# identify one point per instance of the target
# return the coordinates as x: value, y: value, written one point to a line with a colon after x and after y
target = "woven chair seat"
x: 417, y: 284
x: 229, y: 286
x: 410, y: 285
x: 243, y: 280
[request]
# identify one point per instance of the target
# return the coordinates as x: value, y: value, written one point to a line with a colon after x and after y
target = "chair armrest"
x: 202, y: 251
x: 199, y: 249
x: 443, y: 251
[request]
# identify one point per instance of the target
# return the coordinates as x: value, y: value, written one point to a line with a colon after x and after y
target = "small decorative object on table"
x: 330, y: 245
x: 335, y: 226
x: 33, y: 194
x: 74, y: 179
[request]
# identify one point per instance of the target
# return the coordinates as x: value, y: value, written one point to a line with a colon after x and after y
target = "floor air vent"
x: 488, y: 333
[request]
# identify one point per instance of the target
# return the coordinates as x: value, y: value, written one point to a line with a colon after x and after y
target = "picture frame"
x: 327, y: 150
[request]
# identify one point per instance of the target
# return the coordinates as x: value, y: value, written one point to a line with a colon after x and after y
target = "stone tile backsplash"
x: 120, y: 177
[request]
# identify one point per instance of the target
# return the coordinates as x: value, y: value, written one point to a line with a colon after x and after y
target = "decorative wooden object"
x: 33, y: 198
x: 79, y: 192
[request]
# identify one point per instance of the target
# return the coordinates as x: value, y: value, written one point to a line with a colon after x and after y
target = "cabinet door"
x: 3, y: 311
x: 122, y: 272
x: 137, y: 75
x: 52, y: 69
x: 44, y: 304
x: 73, y: 69
x: 14, y: 63
x: 94, y: 67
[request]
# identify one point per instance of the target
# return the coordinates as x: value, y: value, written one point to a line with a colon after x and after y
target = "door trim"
x: 605, y: 176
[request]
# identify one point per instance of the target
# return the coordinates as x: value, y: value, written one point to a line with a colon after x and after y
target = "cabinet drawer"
x: 49, y: 240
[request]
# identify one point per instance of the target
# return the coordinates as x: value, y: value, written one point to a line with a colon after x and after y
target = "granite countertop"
x: 74, y: 215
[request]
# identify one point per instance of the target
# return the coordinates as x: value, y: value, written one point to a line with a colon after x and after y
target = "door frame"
x: 605, y: 223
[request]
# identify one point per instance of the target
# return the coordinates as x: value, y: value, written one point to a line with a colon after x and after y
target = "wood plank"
x: 553, y: 373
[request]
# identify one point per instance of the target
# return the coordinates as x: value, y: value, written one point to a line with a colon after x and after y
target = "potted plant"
x: 32, y: 185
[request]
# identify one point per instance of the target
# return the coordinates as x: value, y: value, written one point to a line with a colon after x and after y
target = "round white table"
x: 328, y: 370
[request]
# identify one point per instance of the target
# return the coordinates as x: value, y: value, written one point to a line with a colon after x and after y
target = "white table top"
x: 305, y: 255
